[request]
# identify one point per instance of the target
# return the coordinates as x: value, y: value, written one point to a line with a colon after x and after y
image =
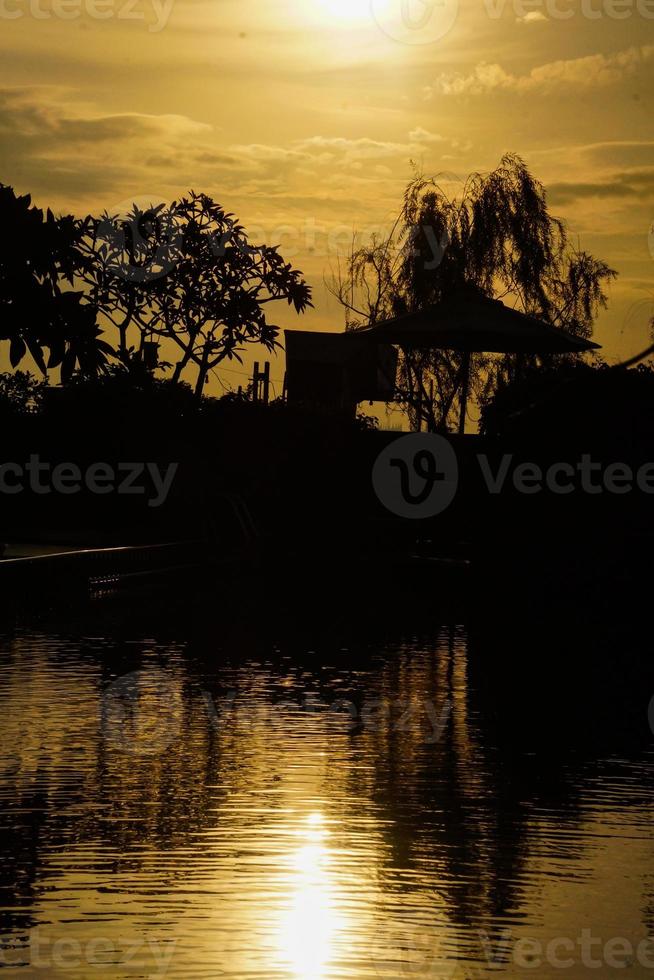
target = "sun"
x: 346, y: 11
x: 353, y: 16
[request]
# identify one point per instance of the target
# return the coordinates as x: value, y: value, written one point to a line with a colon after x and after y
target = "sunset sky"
x: 302, y: 116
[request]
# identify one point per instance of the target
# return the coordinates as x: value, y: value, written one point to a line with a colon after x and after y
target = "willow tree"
x: 496, y: 239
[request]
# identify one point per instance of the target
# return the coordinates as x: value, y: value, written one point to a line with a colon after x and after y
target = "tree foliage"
x: 497, y: 239
x: 183, y: 273
x: 40, y: 311
x: 21, y: 393
x: 186, y: 273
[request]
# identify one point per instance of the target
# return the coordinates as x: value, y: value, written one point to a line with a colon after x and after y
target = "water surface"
x: 460, y: 800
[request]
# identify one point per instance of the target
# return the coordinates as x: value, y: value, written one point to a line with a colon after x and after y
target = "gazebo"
x: 474, y: 325
x: 339, y: 369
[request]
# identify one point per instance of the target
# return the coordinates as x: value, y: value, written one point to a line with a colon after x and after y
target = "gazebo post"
x: 465, y: 384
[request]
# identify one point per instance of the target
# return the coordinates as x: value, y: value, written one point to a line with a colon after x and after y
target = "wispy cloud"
x: 72, y: 156
x: 593, y: 71
x: 65, y: 149
x: 638, y: 183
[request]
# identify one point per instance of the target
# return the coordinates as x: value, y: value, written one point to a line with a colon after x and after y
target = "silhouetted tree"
x: 497, y: 239
x: 39, y: 310
x: 572, y: 401
x: 20, y: 392
x: 187, y: 273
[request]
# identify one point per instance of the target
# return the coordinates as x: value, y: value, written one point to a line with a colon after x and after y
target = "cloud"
x: 61, y: 148
x: 620, y: 153
x: 46, y: 114
x: 72, y: 157
x: 593, y: 71
x: 423, y: 136
x: 638, y: 183
x: 365, y: 148
x: 262, y: 153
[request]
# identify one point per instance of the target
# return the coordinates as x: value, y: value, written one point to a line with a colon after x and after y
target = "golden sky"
x: 302, y: 116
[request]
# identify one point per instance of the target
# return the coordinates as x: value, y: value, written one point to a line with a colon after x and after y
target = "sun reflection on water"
x: 311, y: 922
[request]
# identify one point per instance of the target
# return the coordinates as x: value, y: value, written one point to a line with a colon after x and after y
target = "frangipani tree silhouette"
x: 187, y: 273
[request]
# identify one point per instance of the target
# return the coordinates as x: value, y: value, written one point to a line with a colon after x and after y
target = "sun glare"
x: 312, y: 921
x: 347, y: 12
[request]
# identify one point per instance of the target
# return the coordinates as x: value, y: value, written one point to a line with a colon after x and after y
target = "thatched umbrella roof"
x: 475, y: 324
